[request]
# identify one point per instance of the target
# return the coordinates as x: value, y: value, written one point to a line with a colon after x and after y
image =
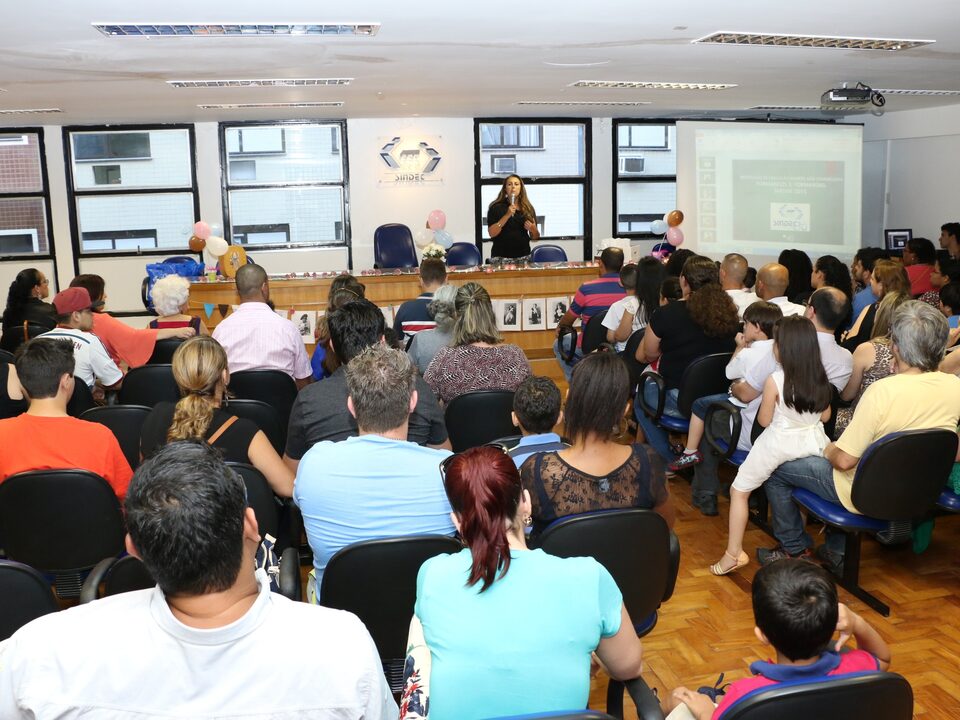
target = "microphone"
x: 513, y: 198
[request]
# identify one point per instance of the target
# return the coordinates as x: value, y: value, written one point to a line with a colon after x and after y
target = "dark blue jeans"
x: 657, y: 437
x: 811, y: 473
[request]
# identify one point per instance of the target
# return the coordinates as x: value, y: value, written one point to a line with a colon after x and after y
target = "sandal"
x: 742, y: 561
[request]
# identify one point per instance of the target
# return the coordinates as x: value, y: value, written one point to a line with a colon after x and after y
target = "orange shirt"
x: 124, y: 343
x: 31, y: 442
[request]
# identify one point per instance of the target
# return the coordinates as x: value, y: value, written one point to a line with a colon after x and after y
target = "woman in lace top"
x: 872, y: 361
x: 478, y: 359
x: 595, y: 473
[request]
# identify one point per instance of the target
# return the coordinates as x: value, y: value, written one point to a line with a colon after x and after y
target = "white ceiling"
x: 463, y: 60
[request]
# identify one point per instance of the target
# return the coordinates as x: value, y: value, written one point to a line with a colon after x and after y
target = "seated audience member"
x: 320, y: 411
x: 917, y: 397
x: 45, y: 437
x: 651, y: 279
x: 622, y: 307
x: 487, y: 657
x: 705, y: 322
x: 255, y: 337
x: 171, y: 299
x: 889, y: 282
x: 677, y: 260
x: 750, y: 279
x: 343, y: 289
x: 376, y: 484
x: 670, y: 290
x: 733, y: 270
x: 826, y: 308
x: 477, y: 359
x: 593, y: 297
x: 950, y: 239
x: 799, y: 269
x: 950, y: 303
x: 75, y: 321
x: 945, y: 271
x: 596, y: 472
x: 772, y: 282
x: 202, y: 415
x: 829, y: 271
x: 125, y: 344
x: 25, y: 305
x: 536, y: 411
x: 426, y: 343
x: 919, y: 256
x: 414, y: 316
x: 796, y: 611
x: 211, y: 624
x: 12, y: 401
x: 862, y: 269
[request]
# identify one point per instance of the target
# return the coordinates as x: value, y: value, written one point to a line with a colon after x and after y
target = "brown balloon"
x: 197, y: 244
x: 674, y: 218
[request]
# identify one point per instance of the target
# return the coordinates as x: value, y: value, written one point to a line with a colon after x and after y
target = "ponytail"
x: 191, y: 418
x: 198, y: 368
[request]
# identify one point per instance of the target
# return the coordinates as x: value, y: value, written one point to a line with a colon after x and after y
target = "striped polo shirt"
x: 595, y: 296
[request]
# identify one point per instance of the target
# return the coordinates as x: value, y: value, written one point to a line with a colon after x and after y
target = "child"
x: 536, y: 411
x: 795, y: 404
x: 627, y: 304
x: 670, y: 290
x: 950, y: 303
x: 796, y: 611
x: 752, y: 345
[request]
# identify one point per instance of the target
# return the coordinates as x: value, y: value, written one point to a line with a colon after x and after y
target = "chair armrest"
x: 91, y: 586
x: 674, y: 566
x: 648, y: 706
x: 653, y: 413
x: 567, y: 355
x: 290, y: 573
x: 734, y: 412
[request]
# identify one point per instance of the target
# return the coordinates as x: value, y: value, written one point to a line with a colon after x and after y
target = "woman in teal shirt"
x: 511, y: 630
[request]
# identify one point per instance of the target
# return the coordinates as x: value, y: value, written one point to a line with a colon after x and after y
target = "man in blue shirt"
x: 536, y: 411
x: 378, y: 484
x: 862, y: 268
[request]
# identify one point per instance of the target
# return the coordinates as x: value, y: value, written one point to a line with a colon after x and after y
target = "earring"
x: 527, y: 520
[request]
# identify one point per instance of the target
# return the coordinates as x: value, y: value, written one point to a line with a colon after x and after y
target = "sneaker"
x: 687, y: 460
x: 832, y: 561
x: 765, y: 556
x: 706, y: 504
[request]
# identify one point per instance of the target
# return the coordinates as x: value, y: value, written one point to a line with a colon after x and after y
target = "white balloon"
x: 423, y: 237
x: 217, y: 246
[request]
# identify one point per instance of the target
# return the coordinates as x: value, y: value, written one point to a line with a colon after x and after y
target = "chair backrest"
x: 900, y: 476
x: 125, y: 422
x: 393, y: 247
x: 704, y: 376
x: 594, y: 333
x: 548, y: 253
x: 630, y: 357
x: 32, y: 330
x: 878, y: 696
x: 81, y: 400
x: 477, y: 418
x: 149, y: 385
x: 260, y: 497
x: 646, y: 575
x: 181, y: 259
x: 163, y: 351
x: 6, y: 357
x: 25, y: 595
x: 114, y: 576
x: 464, y: 253
x: 275, y: 388
x: 60, y: 520
x: 263, y: 416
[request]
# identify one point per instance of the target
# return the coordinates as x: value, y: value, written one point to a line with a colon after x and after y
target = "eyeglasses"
x: 445, y: 463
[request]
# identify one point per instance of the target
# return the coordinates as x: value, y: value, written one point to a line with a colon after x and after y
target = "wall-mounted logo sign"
x: 410, y: 161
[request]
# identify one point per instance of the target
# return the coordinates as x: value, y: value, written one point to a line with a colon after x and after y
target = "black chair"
x: 81, y: 400
x: 275, y: 388
x: 116, y: 575
x: 125, y: 422
x: 6, y: 357
x: 25, y: 595
x: 568, y: 351
x: 377, y: 581
x: 266, y: 505
x: 464, y: 254
x: 393, y: 247
x: 629, y: 355
x: 61, y: 522
x: 163, y: 351
x: 149, y: 385
x: 507, y: 441
x: 32, y: 330
x: 548, y: 253
x: 480, y: 417
x: 645, y: 577
x: 899, y: 477
x: 263, y: 416
x: 594, y: 333
x: 704, y: 376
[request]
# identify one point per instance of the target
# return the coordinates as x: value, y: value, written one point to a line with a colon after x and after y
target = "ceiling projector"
x: 851, y: 96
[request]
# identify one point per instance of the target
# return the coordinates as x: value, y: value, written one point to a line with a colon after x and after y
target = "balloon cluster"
x: 435, y: 231
x: 206, y: 239
x: 671, y: 226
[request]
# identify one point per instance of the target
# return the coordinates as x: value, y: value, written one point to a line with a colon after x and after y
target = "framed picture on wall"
x: 556, y: 308
x: 897, y: 239
x: 508, y: 315
x: 306, y: 323
x: 534, y: 314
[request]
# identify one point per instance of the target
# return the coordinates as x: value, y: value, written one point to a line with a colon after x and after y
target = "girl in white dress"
x: 795, y: 404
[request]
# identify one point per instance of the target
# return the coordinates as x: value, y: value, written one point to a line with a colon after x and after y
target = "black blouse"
x: 8, y: 407
x: 513, y: 240
x: 233, y: 443
x: 34, y: 311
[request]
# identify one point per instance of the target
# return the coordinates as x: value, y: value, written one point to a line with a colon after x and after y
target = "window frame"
x: 586, y: 180
x: 618, y: 178
x: 51, y: 253
x: 73, y: 194
x: 344, y: 183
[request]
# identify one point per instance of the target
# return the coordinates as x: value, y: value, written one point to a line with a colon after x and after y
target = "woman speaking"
x: 511, y: 220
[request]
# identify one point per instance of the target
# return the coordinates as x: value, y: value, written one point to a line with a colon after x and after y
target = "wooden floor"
x: 707, y: 626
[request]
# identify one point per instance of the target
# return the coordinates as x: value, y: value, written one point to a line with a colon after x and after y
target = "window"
x: 24, y: 196
x: 553, y: 159
x: 294, y: 193
x: 645, y: 183
x: 144, y: 201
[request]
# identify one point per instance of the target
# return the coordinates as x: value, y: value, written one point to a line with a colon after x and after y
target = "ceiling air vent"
x: 810, y: 41
x: 121, y: 29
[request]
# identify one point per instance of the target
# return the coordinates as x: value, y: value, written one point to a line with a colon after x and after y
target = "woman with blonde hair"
x: 891, y: 284
x: 477, y: 359
x: 171, y: 297
x: 200, y: 369
x: 511, y: 220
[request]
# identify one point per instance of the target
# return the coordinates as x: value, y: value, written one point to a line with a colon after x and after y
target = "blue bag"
x: 185, y: 268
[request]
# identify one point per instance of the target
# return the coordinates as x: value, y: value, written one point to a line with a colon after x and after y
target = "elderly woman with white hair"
x: 426, y: 343
x: 171, y: 296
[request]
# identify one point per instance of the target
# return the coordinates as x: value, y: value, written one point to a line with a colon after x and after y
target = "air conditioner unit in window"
x: 631, y: 165
x: 503, y: 164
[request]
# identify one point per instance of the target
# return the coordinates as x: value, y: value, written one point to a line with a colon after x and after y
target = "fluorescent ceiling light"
x: 642, y: 85
x: 810, y: 41
x: 887, y: 91
x: 122, y: 29
x: 30, y: 111
x: 785, y: 107
x: 238, y: 106
x: 579, y: 103
x: 283, y: 82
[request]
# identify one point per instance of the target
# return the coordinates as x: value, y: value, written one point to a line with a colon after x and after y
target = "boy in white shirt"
x: 753, y: 345
x: 630, y: 304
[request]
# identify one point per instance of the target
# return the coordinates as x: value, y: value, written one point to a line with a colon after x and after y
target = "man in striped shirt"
x: 592, y: 298
x: 412, y: 316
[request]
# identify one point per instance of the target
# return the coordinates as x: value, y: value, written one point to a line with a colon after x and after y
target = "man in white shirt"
x: 733, y: 270
x: 75, y: 321
x: 210, y: 640
x: 772, y: 282
x: 255, y: 337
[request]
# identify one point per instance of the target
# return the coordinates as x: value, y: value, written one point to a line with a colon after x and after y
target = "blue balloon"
x: 442, y: 237
x: 658, y: 227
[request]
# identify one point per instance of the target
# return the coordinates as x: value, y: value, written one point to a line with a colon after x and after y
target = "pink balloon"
x: 437, y: 220
x: 675, y: 236
x: 201, y: 230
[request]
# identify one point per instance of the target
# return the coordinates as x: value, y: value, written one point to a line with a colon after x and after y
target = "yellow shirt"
x: 927, y: 401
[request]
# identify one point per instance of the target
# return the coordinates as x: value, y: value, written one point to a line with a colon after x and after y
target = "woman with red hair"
x: 510, y: 630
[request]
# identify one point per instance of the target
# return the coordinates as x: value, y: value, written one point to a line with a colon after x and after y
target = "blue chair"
x: 393, y: 247
x: 888, y: 485
x: 704, y: 376
x: 949, y: 501
x: 464, y: 254
x: 548, y: 253
x: 180, y: 259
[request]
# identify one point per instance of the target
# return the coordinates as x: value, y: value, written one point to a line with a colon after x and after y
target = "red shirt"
x: 919, y: 279
x: 31, y: 442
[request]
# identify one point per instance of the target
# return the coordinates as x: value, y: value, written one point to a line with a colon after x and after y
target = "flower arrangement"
x: 434, y: 251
